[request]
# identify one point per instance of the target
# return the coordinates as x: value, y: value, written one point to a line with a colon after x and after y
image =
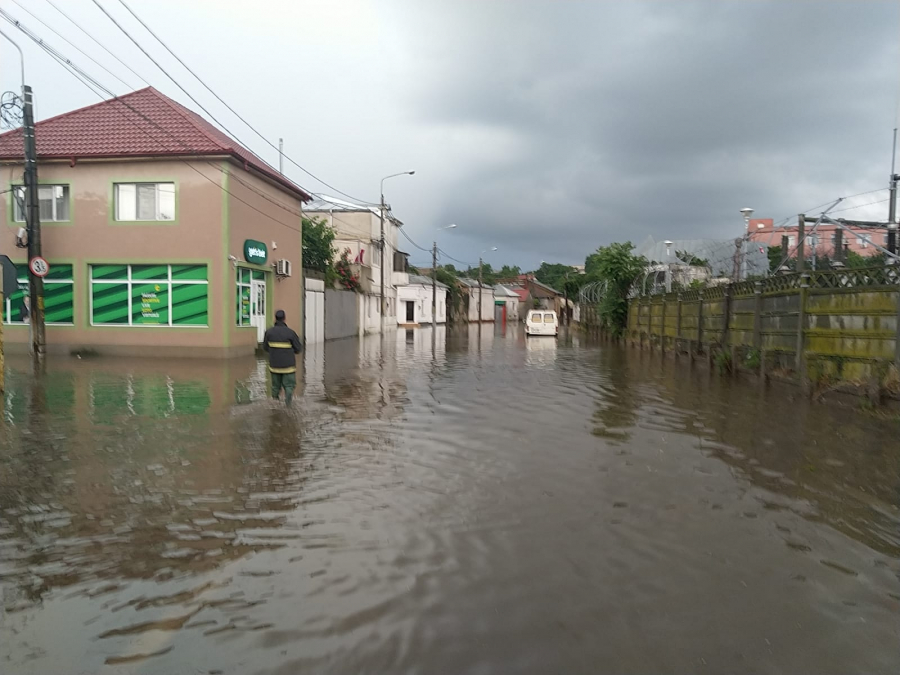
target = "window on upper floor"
x: 145, y: 201
x: 53, y: 203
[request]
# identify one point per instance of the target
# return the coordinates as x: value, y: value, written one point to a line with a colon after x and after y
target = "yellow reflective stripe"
x: 282, y: 371
x: 281, y: 345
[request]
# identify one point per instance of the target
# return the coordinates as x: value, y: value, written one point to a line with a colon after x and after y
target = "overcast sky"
x: 543, y: 128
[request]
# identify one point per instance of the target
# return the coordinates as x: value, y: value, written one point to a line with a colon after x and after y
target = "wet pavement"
x: 478, y: 504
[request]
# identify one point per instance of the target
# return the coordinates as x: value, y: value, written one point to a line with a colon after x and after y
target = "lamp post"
x: 740, y: 260
x: 668, y: 266
x: 434, y: 278
x: 393, y: 175
x: 480, y: 285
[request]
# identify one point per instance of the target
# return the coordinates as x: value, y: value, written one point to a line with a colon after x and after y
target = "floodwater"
x: 479, y: 504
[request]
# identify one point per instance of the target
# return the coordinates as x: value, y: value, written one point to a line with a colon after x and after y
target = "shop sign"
x: 255, y: 252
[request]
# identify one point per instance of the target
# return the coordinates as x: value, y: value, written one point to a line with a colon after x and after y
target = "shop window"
x: 149, y: 295
x: 58, y: 297
x: 242, y: 295
x: 53, y: 203
x: 145, y: 201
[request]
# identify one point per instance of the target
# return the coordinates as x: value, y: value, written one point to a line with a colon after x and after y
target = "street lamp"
x: 668, y: 266
x: 393, y: 175
x: 747, y: 212
x: 451, y: 226
x: 480, y: 285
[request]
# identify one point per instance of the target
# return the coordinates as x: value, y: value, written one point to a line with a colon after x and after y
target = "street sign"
x: 10, y: 280
x: 39, y: 267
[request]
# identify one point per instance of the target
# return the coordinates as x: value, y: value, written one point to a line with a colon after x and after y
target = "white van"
x: 541, y: 322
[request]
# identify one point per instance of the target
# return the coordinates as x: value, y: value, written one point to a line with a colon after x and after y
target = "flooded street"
x: 485, y: 504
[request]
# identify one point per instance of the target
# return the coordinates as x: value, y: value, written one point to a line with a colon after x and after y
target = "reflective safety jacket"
x: 282, y: 343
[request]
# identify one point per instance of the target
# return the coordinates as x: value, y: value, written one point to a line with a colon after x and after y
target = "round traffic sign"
x: 39, y: 267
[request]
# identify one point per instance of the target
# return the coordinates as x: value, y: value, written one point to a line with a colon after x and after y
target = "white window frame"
x: 142, y: 282
x: 136, y: 219
x: 19, y: 210
x: 249, y: 287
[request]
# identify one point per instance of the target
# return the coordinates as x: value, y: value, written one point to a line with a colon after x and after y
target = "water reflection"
x: 469, y: 500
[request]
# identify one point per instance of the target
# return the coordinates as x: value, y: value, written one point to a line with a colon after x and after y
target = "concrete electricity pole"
x: 382, y: 246
x: 892, y: 202
x: 480, y: 284
x: 33, y: 226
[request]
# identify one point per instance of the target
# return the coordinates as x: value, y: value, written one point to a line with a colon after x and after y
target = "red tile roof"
x: 156, y: 127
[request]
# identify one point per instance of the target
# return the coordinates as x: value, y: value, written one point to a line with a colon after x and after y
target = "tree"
x: 554, y: 274
x: 318, y: 240
x: 691, y: 259
x: 618, y: 266
x: 507, y: 272
x: 854, y: 259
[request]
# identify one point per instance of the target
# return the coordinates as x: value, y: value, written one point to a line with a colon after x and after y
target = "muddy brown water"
x: 477, y: 504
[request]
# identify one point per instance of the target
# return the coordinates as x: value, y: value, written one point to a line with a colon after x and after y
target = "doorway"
x: 258, y: 308
x: 410, y: 311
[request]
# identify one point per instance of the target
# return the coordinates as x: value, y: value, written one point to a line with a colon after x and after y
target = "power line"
x: 81, y: 51
x: 461, y: 262
x: 91, y: 83
x: 100, y: 44
x: 412, y: 242
x: 210, y: 90
x: 79, y: 73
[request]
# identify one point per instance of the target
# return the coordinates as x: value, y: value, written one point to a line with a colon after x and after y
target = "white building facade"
x: 415, y: 299
x: 358, y: 232
x: 473, y: 291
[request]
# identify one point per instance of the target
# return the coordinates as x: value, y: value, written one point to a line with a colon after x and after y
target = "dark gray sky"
x: 543, y: 128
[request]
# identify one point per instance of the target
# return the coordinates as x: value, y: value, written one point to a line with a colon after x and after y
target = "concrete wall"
x: 341, y: 313
x: 835, y: 324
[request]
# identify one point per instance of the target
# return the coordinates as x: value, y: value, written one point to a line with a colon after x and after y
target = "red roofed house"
x: 164, y: 236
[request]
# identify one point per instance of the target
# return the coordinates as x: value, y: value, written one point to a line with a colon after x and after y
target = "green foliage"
x: 691, y: 259
x: 507, y: 272
x: 448, y: 275
x: 752, y: 359
x: 318, y: 244
x: 618, y: 266
x: 449, y: 269
x: 554, y: 274
x: 723, y: 362
x: 855, y: 260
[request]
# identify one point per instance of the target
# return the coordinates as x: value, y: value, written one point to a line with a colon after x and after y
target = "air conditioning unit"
x: 283, y: 268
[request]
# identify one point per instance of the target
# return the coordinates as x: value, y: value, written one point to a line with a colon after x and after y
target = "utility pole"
x: 801, y: 242
x: 33, y: 226
x: 892, y: 202
x: 480, y: 289
x: 381, y: 246
x: 434, y: 287
x: 281, y: 156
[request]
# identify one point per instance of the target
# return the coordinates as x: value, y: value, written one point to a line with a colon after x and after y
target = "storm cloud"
x: 546, y: 129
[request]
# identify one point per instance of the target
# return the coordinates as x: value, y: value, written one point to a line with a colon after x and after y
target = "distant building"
x: 415, y: 301
x: 762, y: 231
x: 471, y: 291
x: 509, y: 299
x: 534, y: 293
x: 358, y: 229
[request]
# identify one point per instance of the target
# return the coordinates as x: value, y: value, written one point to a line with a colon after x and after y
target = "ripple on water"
x: 493, y: 506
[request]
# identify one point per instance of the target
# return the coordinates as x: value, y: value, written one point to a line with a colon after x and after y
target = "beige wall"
x: 204, y: 215
x: 257, y: 210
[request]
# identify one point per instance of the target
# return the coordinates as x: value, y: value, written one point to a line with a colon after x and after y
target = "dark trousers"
x: 286, y: 380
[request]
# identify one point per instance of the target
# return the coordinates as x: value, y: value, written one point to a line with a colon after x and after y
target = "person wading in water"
x: 282, y: 344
